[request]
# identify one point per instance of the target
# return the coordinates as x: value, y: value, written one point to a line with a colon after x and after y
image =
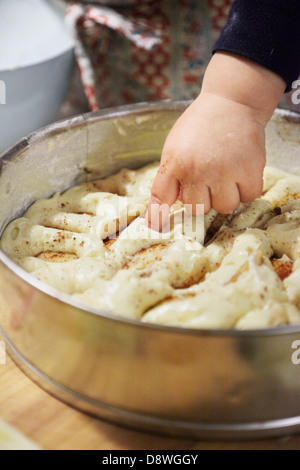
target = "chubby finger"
x: 225, y: 197
x: 250, y: 190
x: 165, y: 191
x: 196, y: 198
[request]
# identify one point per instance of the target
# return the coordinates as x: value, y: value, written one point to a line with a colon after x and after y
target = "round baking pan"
x: 225, y: 384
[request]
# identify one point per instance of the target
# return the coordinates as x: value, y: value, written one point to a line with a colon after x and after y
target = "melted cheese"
x: 92, y: 243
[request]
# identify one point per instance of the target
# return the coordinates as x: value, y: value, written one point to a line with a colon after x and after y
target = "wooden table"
x: 55, y: 426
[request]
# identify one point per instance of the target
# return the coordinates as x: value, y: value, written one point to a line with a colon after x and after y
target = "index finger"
x: 165, y: 192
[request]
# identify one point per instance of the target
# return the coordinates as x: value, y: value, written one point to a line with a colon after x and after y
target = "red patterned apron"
x: 149, y: 51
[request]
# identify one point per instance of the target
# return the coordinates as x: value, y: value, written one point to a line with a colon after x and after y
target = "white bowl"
x: 36, y: 58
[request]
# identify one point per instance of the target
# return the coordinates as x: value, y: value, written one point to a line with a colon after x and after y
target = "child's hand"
x: 215, y: 153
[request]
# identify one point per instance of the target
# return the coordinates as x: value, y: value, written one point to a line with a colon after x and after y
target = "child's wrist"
x: 245, y: 82
x: 225, y: 107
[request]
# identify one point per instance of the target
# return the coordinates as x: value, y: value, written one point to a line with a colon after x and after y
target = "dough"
x: 239, y: 271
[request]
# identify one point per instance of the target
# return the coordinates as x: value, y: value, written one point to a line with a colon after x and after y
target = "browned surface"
x: 86, y: 213
x: 52, y: 257
x: 283, y: 268
x: 109, y: 242
x: 286, y: 198
x: 144, y: 259
x: 244, y: 268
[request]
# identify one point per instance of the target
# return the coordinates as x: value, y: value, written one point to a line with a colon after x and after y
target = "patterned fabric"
x: 149, y: 51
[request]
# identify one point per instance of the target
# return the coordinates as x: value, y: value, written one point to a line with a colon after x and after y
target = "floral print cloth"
x: 149, y: 51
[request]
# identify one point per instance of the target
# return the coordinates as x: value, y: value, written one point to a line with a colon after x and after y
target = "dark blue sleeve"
x: 266, y: 31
